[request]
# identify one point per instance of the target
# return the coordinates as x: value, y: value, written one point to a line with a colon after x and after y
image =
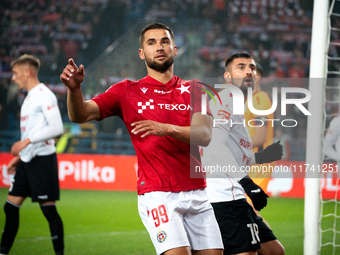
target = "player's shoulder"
x: 262, y: 96
x: 196, y: 86
x: 121, y: 85
x: 194, y: 82
x: 226, y: 94
x: 261, y: 100
x: 335, y: 121
x: 43, y: 88
x: 222, y: 100
x: 44, y: 92
x: 42, y: 96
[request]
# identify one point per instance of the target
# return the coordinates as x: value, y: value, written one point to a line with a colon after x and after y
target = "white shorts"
x: 179, y: 219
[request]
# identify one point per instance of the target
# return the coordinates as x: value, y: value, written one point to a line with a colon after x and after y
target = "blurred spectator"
x: 45, y: 28
x: 70, y: 48
x: 136, y: 10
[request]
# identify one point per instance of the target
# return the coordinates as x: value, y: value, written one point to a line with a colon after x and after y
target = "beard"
x: 161, y: 67
x: 244, y: 87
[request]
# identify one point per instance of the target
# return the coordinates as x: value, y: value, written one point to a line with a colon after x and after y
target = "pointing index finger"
x: 71, y: 63
x: 81, y: 70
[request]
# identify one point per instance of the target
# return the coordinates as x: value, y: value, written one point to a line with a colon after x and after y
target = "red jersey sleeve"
x: 109, y: 102
x: 198, y: 88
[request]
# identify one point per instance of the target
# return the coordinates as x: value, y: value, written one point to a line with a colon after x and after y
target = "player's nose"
x: 160, y: 47
x: 250, y: 72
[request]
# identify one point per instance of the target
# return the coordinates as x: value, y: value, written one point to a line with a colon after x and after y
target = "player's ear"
x: 141, y: 54
x: 227, y: 77
x: 27, y: 70
x: 175, y: 50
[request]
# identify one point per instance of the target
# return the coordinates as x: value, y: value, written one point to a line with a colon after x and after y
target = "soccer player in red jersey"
x: 162, y: 113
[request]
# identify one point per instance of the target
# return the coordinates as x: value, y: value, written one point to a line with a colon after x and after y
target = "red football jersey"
x: 163, y: 162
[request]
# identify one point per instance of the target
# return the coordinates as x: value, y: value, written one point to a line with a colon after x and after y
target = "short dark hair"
x: 27, y: 59
x: 154, y: 26
x: 259, y: 69
x: 234, y: 56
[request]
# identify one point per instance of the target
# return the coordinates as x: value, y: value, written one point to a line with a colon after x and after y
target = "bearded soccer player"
x: 35, y: 162
x: 243, y: 232
x: 156, y: 111
x: 261, y: 131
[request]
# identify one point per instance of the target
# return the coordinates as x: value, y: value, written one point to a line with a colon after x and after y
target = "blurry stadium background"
x: 103, y: 35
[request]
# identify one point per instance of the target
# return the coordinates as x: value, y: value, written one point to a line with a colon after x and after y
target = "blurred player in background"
x: 332, y: 140
x: 35, y: 162
x: 243, y: 232
x: 165, y: 133
x: 261, y: 131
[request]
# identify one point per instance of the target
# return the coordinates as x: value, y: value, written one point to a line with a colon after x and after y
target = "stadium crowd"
x: 277, y: 32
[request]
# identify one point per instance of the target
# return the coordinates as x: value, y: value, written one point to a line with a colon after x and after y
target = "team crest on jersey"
x: 161, y: 236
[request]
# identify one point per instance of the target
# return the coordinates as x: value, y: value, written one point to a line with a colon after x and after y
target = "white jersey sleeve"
x: 229, y: 154
x: 332, y: 140
x: 53, y: 123
x: 40, y: 121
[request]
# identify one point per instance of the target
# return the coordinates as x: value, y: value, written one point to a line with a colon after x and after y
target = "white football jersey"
x: 332, y: 138
x: 229, y: 154
x: 40, y: 121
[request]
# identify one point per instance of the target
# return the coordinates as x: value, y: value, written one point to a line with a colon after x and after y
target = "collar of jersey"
x: 33, y: 90
x: 153, y: 82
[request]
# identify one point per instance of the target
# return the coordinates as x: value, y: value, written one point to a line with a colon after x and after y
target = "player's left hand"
x: 11, y: 167
x: 272, y: 153
x: 149, y: 127
x: 18, y: 146
x: 254, y: 192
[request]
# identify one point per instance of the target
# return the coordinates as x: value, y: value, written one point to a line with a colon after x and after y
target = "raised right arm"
x: 79, y: 110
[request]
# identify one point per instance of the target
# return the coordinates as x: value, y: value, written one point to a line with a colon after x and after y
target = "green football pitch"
x: 106, y: 222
